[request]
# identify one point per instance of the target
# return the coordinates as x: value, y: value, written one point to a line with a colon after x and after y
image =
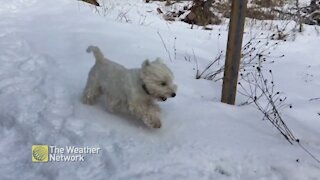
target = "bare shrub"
x: 200, y: 13
x: 254, y: 84
x: 257, y: 47
x: 258, y: 86
x: 260, y: 14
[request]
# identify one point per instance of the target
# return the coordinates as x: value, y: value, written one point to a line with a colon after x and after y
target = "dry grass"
x: 269, y: 3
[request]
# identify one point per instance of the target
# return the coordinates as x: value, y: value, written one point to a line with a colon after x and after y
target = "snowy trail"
x: 43, y: 69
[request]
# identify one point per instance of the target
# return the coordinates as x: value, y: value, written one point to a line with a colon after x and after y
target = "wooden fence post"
x: 233, y: 54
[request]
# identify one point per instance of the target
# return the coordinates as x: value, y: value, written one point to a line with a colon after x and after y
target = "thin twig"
x: 164, y: 45
x: 314, y: 99
x: 196, y: 61
x: 308, y: 152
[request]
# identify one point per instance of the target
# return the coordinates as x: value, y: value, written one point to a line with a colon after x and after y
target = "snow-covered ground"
x: 43, y: 70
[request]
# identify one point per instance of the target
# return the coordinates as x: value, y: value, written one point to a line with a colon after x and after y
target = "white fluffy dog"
x: 130, y: 91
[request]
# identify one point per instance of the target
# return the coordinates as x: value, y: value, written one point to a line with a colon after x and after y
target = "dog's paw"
x: 87, y: 100
x: 155, y: 124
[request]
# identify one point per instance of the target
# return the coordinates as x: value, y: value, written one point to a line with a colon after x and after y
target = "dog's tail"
x: 96, y: 52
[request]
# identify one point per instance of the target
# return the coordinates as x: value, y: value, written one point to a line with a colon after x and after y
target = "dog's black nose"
x: 173, y: 94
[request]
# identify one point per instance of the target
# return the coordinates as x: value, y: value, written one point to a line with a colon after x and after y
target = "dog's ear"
x: 145, y: 63
x: 144, y: 66
x: 158, y: 60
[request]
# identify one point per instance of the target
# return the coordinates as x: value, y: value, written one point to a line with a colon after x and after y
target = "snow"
x: 43, y: 70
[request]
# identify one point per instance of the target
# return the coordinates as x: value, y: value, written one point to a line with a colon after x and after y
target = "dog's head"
x: 158, y: 79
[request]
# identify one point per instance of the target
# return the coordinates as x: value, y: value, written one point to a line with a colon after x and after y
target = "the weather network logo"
x: 52, y: 153
x: 40, y: 153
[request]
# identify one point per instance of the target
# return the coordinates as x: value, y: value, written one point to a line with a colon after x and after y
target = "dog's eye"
x: 163, y: 83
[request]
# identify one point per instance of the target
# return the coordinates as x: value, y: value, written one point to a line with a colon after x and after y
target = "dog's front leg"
x: 150, y: 114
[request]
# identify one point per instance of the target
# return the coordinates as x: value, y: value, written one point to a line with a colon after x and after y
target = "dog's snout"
x: 173, y: 94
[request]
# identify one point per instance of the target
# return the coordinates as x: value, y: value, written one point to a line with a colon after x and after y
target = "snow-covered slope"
x: 43, y: 70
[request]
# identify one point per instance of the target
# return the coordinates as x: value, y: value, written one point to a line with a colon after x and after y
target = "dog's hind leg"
x: 91, y: 91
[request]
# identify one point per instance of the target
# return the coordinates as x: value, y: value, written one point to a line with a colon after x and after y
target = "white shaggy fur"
x: 130, y: 91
